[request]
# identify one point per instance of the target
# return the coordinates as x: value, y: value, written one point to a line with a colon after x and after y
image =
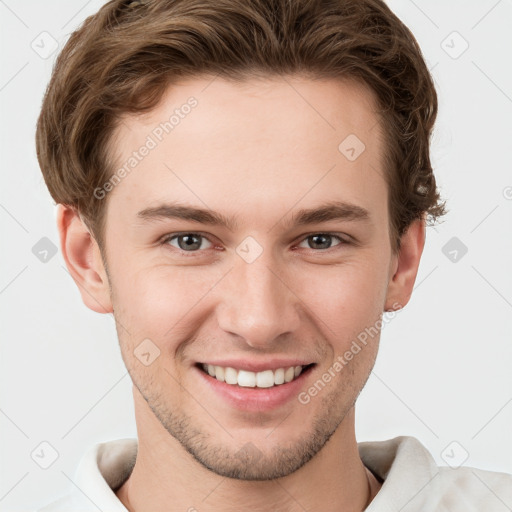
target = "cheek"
x: 162, y: 305
x: 346, y: 298
x: 159, y: 301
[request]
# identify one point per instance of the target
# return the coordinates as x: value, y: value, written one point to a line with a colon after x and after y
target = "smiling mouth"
x: 263, y: 379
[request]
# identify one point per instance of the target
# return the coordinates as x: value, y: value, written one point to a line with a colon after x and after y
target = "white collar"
x: 404, y: 464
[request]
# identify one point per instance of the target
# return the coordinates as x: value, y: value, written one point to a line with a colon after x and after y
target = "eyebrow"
x: 334, y: 210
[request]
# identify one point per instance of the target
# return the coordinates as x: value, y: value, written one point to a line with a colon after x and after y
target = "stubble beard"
x: 249, y: 462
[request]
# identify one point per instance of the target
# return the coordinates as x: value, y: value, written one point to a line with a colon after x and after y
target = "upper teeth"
x: 264, y: 379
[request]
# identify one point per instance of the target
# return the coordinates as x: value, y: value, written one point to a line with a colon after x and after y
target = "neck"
x: 164, y: 473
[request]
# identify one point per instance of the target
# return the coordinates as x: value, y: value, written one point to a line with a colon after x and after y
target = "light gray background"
x: 444, y: 368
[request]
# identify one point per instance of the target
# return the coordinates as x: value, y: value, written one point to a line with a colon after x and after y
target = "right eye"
x: 188, y: 242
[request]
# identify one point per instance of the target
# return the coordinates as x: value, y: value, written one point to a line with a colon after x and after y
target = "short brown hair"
x: 122, y: 59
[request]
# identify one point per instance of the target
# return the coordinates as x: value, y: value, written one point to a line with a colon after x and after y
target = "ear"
x: 83, y: 260
x: 404, y: 266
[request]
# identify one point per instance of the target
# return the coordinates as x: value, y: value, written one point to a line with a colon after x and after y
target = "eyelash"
x: 167, y: 238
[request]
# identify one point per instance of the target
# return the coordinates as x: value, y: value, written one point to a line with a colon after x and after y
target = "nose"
x: 258, y: 303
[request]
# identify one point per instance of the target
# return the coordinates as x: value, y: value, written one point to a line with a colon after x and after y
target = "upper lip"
x: 257, y: 366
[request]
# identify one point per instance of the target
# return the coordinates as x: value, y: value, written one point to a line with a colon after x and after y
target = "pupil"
x: 326, y: 241
x: 190, y: 242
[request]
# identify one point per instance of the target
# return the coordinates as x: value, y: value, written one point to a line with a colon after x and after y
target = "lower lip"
x: 256, y: 399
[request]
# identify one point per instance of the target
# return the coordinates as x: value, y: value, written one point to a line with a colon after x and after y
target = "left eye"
x: 188, y: 242
x: 321, y: 241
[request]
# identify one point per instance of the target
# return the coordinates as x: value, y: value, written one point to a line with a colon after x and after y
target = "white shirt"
x: 412, y: 480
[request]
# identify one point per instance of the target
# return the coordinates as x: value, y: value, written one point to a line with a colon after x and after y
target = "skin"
x: 258, y: 151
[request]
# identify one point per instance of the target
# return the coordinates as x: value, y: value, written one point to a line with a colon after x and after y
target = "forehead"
x: 239, y: 145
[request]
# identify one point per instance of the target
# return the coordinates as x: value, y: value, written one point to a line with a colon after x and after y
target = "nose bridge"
x: 257, y: 305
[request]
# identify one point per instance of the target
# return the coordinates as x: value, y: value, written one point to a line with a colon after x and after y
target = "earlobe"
x: 83, y: 260
x: 405, y: 266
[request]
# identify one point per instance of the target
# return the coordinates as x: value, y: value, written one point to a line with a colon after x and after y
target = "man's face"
x: 264, y: 292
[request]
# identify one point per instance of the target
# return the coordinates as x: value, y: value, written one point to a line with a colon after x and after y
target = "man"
x: 245, y: 186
